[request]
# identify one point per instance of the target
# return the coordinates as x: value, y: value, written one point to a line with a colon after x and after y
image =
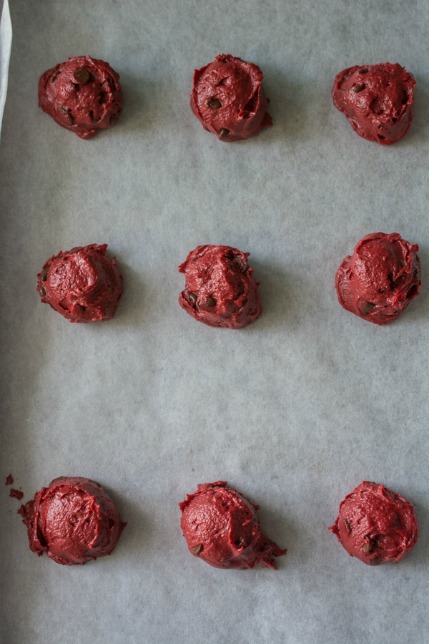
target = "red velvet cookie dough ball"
x: 219, y: 289
x: 376, y: 525
x: 83, y: 284
x: 83, y: 95
x: 221, y: 528
x: 73, y: 520
x: 377, y: 100
x: 228, y: 98
x: 380, y: 279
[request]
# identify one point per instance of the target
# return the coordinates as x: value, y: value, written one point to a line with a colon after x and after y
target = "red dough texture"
x: 73, y: 520
x: 83, y: 95
x: 380, y: 279
x: 219, y: 289
x: 228, y: 98
x: 376, y: 525
x: 83, y: 284
x: 221, y: 528
x: 377, y: 100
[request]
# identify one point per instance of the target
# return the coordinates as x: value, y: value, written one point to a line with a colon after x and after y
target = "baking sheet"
x: 5, y: 47
x: 294, y: 410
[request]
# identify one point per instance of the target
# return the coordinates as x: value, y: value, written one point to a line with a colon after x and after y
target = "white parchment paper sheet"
x: 295, y: 410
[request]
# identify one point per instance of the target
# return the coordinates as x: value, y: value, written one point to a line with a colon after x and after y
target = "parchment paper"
x: 296, y: 409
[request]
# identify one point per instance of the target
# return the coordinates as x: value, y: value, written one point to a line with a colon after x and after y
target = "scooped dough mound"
x: 377, y: 100
x: 375, y: 524
x: 83, y: 284
x: 380, y: 279
x: 228, y: 98
x: 83, y: 95
x: 72, y: 521
x: 221, y: 528
x: 220, y: 289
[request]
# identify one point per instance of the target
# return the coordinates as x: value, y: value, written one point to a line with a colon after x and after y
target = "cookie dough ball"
x: 219, y: 288
x: 221, y: 528
x: 83, y: 95
x: 376, y: 525
x: 72, y: 521
x: 380, y: 279
x: 377, y: 100
x: 83, y: 284
x: 228, y: 98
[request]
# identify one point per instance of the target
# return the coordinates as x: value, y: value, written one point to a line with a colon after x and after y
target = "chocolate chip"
x: 82, y: 75
x: 348, y: 526
x: 103, y: 97
x: 223, y: 132
x: 412, y: 292
x: 197, y: 549
x: 42, y: 291
x: 44, y: 276
x: 238, y: 266
x: 54, y: 75
x: 214, y: 103
x: 377, y: 106
x: 368, y: 546
x: 192, y: 298
x: 363, y: 71
x: 366, y: 307
x: 358, y: 88
x: 210, y: 301
x: 67, y: 111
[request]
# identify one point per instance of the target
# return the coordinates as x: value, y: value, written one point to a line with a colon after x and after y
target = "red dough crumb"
x: 221, y: 528
x: 377, y: 100
x: 16, y: 494
x: 9, y: 479
x: 376, y: 525
x: 380, y: 279
x: 219, y: 289
x: 83, y: 95
x: 73, y: 520
x: 83, y: 284
x: 228, y: 98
